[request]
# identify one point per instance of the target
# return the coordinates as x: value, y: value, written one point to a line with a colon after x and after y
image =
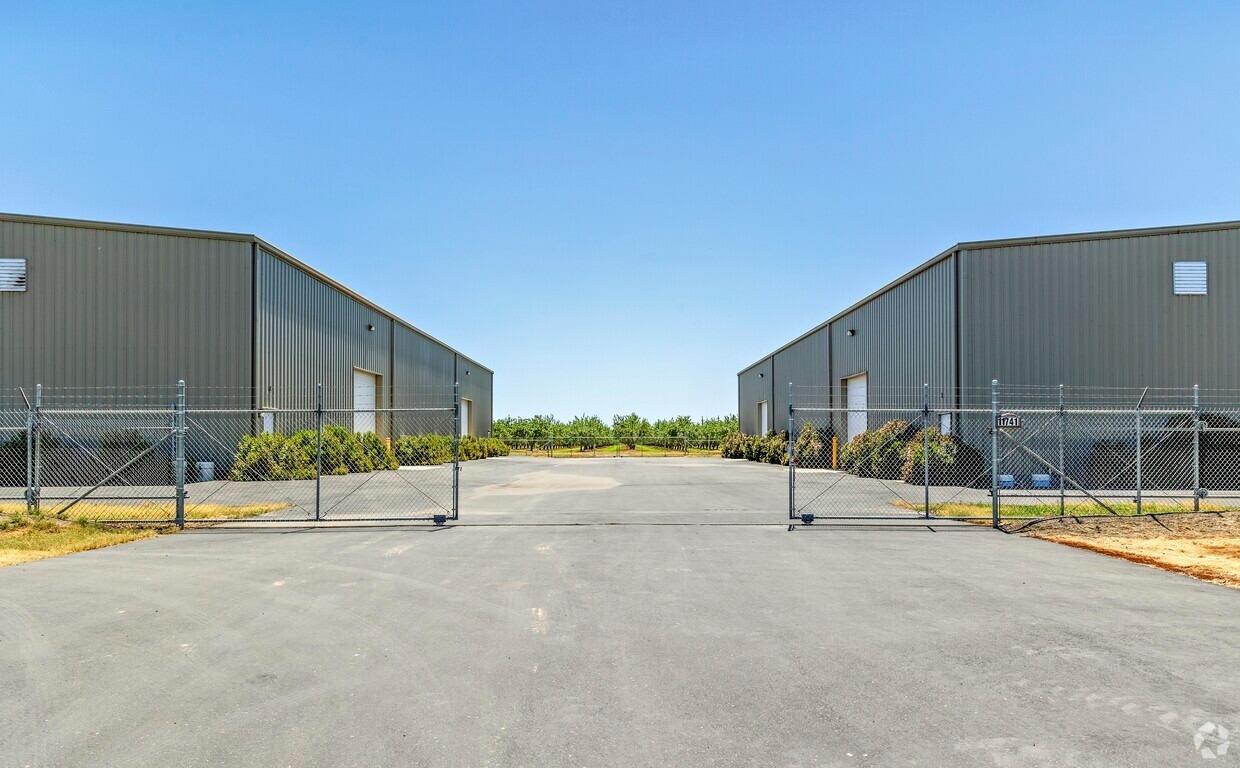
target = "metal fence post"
x: 29, y: 456
x: 792, y: 457
x: 1061, y: 451
x: 36, y: 454
x: 994, y: 452
x: 925, y: 444
x: 1138, y: 467
x: 180, y: 453
x: 318, y: 450
x: 456, y: 450
x: 1196, y: 448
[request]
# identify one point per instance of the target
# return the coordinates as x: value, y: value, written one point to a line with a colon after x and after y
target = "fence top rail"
x: 1036, y: 411
x: 167, y: 411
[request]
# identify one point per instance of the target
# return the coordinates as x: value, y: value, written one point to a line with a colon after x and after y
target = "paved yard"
x: 589, y: 645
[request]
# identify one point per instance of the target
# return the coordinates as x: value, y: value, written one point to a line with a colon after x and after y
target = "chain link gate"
x: 213, y: 463
x: 908, y: 464
x: 1029, y: 456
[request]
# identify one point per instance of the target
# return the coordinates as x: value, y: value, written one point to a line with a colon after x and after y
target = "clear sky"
x: 618, y: 207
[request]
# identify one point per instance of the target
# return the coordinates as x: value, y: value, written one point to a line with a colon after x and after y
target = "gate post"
x: 925, y: 444
x: 792, y: 457
x: 1196, y: 448
x: 456, y: 450
x: 30, y: 417
x: 1139, y: 457
x: 1061, y: 452
x: 36, y: 454
x: 318, y: 449
x: 994, y: 453
x: 179, y: 421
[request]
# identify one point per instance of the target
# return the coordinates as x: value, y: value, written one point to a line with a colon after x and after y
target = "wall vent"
x: 1190, y: 278
x: 12, y: 274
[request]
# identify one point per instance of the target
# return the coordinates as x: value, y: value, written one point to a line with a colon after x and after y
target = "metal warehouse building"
x: 1155, y: 307
x: 88, y: 304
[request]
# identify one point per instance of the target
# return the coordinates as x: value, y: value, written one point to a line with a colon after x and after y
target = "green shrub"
x: 271, y: 457
x: 293, y: 457
x: 414, y: 450
x: 379, y: 452
x: 813, y: 448
x: 732, y: 446
x: 418, y: 450
x: 774, y: 449
x: 952, y: 461
x: 877, y: 452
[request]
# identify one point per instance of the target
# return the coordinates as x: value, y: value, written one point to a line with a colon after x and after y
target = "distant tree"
x: 588, y: 432
x: 629, y: 428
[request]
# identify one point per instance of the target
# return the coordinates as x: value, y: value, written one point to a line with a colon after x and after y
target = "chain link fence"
x: 1034, y: 453
x: 160, y: 456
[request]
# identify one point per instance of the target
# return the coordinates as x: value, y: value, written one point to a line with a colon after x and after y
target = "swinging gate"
x: 177, y: 463
x: 1007, y: 465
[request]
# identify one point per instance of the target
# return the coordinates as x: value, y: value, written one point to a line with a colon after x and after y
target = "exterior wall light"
x: 851, y: 332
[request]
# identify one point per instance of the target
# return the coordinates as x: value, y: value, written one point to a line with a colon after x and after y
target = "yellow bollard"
x: 835, y: 452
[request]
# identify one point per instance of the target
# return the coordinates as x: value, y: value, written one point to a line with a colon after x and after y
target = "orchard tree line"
x: 629, y: 429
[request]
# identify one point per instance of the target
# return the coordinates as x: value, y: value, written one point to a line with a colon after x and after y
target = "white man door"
x: 764, y: 417
x: 466, y: 423
x: 855, y: 391
x: 365, y: 398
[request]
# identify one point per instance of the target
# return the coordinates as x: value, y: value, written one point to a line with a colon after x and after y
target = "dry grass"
x: 225, y: 512
x: 24, y: 539
x: 1203, y: 545
x: 1012, y: 510
x: 146, y: 511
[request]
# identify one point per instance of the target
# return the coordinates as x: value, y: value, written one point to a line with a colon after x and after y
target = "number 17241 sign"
x: 1008, y: 421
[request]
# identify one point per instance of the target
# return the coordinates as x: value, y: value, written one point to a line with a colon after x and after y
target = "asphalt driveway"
x: 541, y: 636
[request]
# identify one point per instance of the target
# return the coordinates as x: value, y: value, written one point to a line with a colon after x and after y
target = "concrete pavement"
x: 592, y: 645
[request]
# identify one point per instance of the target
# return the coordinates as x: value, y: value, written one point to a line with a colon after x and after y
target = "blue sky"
x: 618, y: 207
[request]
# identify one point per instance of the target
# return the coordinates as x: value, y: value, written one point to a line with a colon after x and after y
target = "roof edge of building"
x: 146, y: 229
x: 1011, y: 242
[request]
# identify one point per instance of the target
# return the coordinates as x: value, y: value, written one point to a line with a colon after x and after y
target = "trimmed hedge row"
x: 890, y: 452
x: 415, y: 450
x: 769, y: 449
x: 894, y: 451
x: 275, y: 456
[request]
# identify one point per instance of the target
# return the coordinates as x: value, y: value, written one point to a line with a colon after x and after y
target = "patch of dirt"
x: 1204, y: 545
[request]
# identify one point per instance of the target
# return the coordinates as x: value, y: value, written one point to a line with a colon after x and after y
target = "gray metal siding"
x: 1101, y: 313
x: 476, y: 385
x: 106, y: 308
x: 804, y: 363
x: 755, y: 385
x: 422, y: 367
x: 308, y: 332
x: 904, y: 338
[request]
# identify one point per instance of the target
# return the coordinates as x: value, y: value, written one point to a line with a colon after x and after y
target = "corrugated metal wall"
x: 804, y: 363
x: 107, y: 308
x: 309, y: 332
x: 476, y: 385
x: 1101, y: 313
x: 755, y: 385
x: 421, y: 365
x: 904, y: 338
